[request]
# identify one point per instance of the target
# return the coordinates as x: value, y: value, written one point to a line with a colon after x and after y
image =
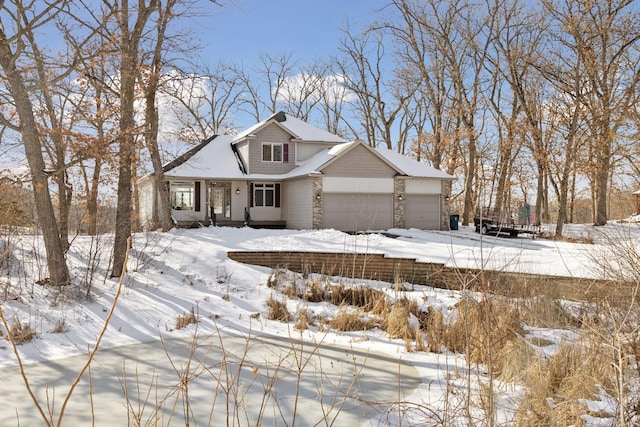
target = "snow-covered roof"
x: 215, y: 160
x: 216, y: 157
x: 298, y: 129
x: 412, y: 167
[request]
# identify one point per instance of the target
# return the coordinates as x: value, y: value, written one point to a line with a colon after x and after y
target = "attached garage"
x: 422, y: 211
x: 357, y: 211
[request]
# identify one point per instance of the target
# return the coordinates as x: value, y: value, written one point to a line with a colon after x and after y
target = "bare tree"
x: 24, y: 18
x: 379, y: 103
x: 132, y: 22
x: 203, y: 102
x: 518, y: 43
x: 300, y: 93
x: 461, y: 33
x: 605, y: 37
x: 150, y: 80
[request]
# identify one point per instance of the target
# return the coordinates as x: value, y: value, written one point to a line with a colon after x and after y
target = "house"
x: 284, y: 172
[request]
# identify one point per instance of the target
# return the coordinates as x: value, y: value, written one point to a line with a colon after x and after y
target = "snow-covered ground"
x: 173, y: 273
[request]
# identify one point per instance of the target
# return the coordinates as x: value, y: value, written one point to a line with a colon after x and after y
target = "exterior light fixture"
x: 237, y: 190
x: 400, y: 197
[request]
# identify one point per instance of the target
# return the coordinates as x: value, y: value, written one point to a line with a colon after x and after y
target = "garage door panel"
x: 352, y: 212
x: 422, y: 211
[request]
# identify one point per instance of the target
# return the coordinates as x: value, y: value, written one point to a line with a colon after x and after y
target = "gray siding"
x: 297, y: 203
x: 307, y: 149
x: 351, y: 212
x: 359, y: 162
x: 271, y: 133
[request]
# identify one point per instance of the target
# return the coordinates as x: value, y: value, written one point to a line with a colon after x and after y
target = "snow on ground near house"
x: 173, y: 273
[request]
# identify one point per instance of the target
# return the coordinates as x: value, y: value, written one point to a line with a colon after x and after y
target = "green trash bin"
x: 453, y: 222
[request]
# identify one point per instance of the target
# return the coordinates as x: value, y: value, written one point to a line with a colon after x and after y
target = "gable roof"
x: 298, y: 129
x: 217, y: 157
x: 412, y: 167
x: 186, y: 156
x: 342, y: 149
x: 214, y: 158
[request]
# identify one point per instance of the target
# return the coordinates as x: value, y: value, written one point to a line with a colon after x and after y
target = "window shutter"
x: 197, y: 197
x: 285, y: 153
x: 277, y: 196
x: 251, y: 195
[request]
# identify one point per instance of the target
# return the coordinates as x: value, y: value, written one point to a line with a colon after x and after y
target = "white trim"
x: 272, y: 144
x: 422, y: 186
x: 357, y: 185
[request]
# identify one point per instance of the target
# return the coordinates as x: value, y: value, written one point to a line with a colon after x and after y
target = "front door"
x: 220, y: 197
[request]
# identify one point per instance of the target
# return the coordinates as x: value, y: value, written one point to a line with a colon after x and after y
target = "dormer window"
x: 271, y: 152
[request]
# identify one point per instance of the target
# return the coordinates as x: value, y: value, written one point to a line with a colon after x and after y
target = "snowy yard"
x: 171, y: 275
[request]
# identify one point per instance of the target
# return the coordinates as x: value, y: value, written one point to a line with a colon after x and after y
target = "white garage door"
x: 422, y: 211
x: 356, y: 211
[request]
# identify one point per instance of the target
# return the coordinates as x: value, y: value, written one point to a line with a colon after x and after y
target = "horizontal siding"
x: 357, y: 185
x: 271, y: 133
x: 305, y: 150
x: 359, y: 162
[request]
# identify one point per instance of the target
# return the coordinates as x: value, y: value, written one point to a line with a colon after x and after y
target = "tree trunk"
x: 129, y: 45
x: 126, y: 141
x: 602, y: 183
x: 92, y: 199
x: 58, y: 270
x: 151, y: 138
x: 471, y: 173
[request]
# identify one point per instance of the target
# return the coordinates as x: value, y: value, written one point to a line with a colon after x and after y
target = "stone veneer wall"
x: 398, y: 203
x: 445, y: 204
x: 317, y: 201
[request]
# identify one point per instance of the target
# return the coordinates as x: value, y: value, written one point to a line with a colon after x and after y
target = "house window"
x: 266, y: 195
x: 271, y: 152
x: 182, y: 196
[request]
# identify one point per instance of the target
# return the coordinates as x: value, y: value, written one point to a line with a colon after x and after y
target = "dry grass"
x: 277, y: 310
x: 304, y: 320
x: 482, y: 329
x: 397, y: 322
x: 21, y: 332
x: 351, y: 320
x: 61, y: 326
x: 315, y: 291
x: 184, y: 320
x: 544, y: 312
x: 358, y: 296
x: 555, y: 389
x: 435, y: 330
